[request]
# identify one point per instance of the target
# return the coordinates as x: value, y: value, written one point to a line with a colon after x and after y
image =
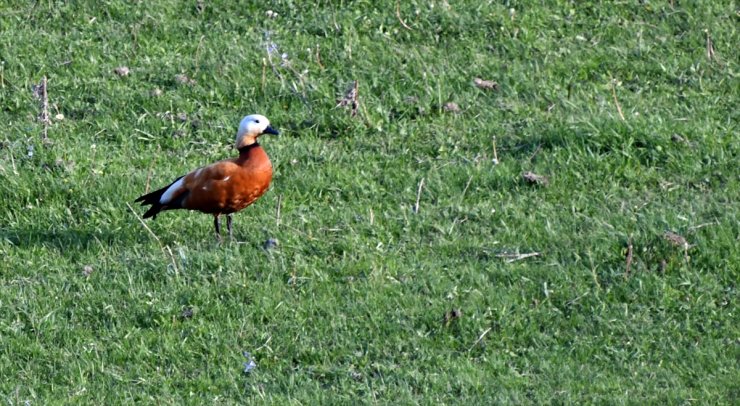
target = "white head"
x: 250, y: 128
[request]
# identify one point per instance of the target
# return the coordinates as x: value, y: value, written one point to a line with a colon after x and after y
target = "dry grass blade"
x: 418, y: 196
x: 710, y: 47
x: 535, y: 179
x: 171, y: 255
x: 712, y: 223
x: 534, y: 154
x: 495, y: 152
x: 485, y: 84
x: 616, y: 101
x: 40, y: 93
x: 398, y: 15
x: 480, y: 338
x: 277, y: 210
x: 628, y: 266
x: 351, y: 99
x: 517, y: 257
x: 149, y: 172
x: 143, y: 223
x: 197, y: 54
x: 318, y: 56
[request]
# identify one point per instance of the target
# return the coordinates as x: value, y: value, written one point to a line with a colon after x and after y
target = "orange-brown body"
x: 224, y: 187
x: 230, y: 185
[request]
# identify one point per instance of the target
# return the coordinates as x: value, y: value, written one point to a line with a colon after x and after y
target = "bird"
x: 224, y: 187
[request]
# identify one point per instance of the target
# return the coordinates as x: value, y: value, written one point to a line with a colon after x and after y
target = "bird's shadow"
x: 71, y: 241
x: 65, y: 240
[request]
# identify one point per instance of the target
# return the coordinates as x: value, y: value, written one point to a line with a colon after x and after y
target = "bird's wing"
x: 194, y: 180
x: 204, y: 189
x: 212, y: 173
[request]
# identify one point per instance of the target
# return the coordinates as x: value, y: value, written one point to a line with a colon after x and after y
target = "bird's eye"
x: 257, y: 121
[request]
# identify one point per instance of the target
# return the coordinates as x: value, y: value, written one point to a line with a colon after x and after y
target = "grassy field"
x: 401, y: 273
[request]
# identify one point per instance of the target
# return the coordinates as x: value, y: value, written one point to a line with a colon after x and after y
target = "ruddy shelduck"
x: 224, y: 187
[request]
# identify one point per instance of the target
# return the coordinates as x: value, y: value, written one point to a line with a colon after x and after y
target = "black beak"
x: 270, y: 130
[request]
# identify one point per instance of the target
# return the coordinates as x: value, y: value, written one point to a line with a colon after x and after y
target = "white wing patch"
x: 170, y: 192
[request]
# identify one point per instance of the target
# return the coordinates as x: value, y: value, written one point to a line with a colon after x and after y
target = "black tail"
x: 153, y: 199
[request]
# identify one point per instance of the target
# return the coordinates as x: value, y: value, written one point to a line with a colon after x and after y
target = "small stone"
x: 351, y: 98
x: 452, y: 315
x: 165, y: 116
x: 676, y: 239
x: 535, y: 179
x: 485, y: 84
x: 122, y: 71
x: 451, y: 107
x: 250, y: 365
x: 182, y: 117
x: 157, y: 92
x: 59, y: 117
x: 184, y: 79
x: 677, y: 138
x: 187, y: 313
x: 87, y: 270
x: 270, y: 243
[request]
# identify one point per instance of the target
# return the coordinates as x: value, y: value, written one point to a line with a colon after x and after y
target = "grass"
x: 356, y: 304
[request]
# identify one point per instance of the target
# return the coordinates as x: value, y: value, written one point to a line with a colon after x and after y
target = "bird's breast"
x: 244, y: 187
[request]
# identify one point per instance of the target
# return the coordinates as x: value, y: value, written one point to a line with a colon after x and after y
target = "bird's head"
x: 250, y: 128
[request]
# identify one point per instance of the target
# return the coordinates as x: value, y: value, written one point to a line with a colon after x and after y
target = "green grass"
x: 351, y: 306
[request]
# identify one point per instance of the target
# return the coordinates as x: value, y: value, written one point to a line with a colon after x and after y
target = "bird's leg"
x: 217, y: 226
x: 228, y: 226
